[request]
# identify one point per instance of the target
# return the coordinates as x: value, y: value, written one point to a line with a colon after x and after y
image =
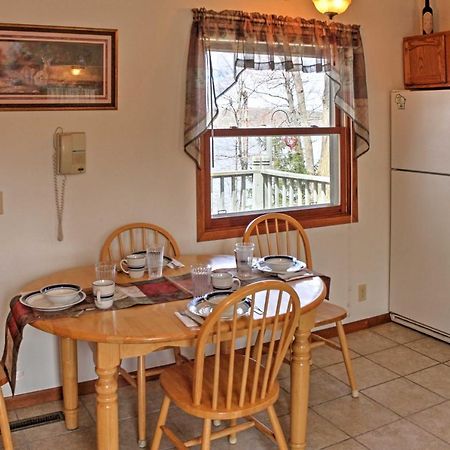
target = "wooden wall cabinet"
x: 426, y: 61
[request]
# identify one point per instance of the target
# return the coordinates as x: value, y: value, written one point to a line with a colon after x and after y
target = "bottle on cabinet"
x: 427, y: 18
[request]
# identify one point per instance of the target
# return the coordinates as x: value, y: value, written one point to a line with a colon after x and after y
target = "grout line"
x: 368, y: 431
x: 423, y: 428
x: 424, y: 387
x: 400, y: 417
x: 342, y: 442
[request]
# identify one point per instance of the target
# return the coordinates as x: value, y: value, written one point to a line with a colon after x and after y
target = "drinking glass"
x: 105, y: 271
x: 243, y: 253
x: 201, y: 279
x: 155, y: 254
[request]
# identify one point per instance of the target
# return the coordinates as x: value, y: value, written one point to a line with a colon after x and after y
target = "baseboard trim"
x: 88, y: 387
x: 358, y: 325
x: 49, y: 395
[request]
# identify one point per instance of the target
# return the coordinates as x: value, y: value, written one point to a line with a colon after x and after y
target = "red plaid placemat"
x: 19, y: 316
x: 183, y: 282
x: 160, y: 290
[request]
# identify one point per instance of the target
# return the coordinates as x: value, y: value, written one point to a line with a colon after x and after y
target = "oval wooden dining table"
x: 140, y: 330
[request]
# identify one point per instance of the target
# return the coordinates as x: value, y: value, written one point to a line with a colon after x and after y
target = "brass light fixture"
x: 331, y: 7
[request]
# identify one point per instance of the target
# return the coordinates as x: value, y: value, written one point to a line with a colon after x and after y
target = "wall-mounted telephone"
x: 69, y: 158
x: 70, y: 153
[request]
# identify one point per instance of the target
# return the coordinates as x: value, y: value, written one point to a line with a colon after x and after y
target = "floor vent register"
x: 36, y: 421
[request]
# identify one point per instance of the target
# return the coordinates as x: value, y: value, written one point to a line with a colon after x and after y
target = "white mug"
x: 224, y: 280
x: 136, y: 272
x: 103, y: 291
x: 134, y: 261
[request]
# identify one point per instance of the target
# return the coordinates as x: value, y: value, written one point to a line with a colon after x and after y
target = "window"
x: 277, y: 144
x: 276, y: 115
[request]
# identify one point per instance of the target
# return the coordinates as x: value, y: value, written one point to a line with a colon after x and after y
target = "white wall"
x: 136, y: 168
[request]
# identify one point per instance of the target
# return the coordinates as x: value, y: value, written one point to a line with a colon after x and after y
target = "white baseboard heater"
x: 420, y: 327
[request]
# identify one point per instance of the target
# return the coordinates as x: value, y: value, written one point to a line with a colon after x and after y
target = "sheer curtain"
x: 269, y: 42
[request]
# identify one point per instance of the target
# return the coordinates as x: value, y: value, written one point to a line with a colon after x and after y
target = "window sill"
x: 224, y: 228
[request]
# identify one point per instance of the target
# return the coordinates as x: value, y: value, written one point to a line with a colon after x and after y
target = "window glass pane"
x: 270, y: 98
x: 264, y: 173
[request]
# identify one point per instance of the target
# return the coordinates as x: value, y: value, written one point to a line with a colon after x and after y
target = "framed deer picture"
x: 46, y: 67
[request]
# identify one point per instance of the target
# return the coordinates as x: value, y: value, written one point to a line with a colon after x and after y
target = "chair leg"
x: 142, y: 402
x: 178, y: 357
x: 206, y: 436
x: 347, y: 359
x: 157, y: 436
x: 4, y: 425
x: 232, y: 439
x: 277, y: 430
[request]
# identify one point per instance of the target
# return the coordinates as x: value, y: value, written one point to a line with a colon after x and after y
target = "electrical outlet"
x: 362, y: 292
x: 20, y: 374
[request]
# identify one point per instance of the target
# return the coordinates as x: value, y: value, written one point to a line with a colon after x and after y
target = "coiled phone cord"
x: 59, y: 182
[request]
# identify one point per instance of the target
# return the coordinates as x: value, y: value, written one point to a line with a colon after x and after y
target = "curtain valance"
x: 270, y: 42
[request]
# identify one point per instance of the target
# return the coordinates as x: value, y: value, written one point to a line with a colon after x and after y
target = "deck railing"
x: 258, y: 189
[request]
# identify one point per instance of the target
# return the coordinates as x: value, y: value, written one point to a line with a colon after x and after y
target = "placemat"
x: 149, y: 292
x: 184, y: 282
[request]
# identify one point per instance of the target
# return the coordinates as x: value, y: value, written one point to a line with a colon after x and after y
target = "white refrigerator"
x: 420, y: 211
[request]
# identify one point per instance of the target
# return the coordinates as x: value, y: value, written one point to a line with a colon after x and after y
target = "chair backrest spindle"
x: 287, y: 235
x: 135, y: 237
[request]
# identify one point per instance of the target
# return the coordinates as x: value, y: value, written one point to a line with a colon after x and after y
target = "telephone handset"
x: 69, y: 158
x: 71, y: 153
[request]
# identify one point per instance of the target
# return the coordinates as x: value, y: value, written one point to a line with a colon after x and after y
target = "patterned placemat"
x: 148, y: 292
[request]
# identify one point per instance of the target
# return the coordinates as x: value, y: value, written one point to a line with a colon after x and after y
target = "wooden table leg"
x: 69, y: 368
x: 300, y: 366
x: 107, y: 362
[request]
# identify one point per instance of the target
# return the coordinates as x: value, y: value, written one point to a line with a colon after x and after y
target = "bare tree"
x: 308, y: 154
x: 281, y: 92
x: 323, y: 166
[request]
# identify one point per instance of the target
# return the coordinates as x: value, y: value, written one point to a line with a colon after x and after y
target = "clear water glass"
x: 155, y: 254
x: 201, y: 279
x: 243, y: 253
x: 105, y: 271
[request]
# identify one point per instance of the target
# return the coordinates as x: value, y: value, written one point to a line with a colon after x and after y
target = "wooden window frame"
x: 214, y: 228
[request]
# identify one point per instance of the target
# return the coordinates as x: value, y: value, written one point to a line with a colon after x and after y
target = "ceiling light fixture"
x: 331, y: 7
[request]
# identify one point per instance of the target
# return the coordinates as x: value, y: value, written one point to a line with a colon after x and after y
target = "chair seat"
x: 327, y: 313
x: 177, y: 382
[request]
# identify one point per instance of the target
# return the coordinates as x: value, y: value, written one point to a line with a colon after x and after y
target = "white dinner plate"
x: 40, y: 302
x: 296, y: 266
x: 203, y: 306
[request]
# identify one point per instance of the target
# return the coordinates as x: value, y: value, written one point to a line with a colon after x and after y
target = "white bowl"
x: 61, y: 293
x: 279, y: 263
x: 214, y: 298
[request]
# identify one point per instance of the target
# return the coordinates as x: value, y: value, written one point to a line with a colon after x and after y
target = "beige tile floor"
x: 404, y: 403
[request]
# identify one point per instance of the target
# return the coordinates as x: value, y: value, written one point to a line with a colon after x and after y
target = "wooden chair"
x: 4, y: 424
x: 136, y: 237
x: 234, y: 384
x: 280, y: 234
x: 121, y: 242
